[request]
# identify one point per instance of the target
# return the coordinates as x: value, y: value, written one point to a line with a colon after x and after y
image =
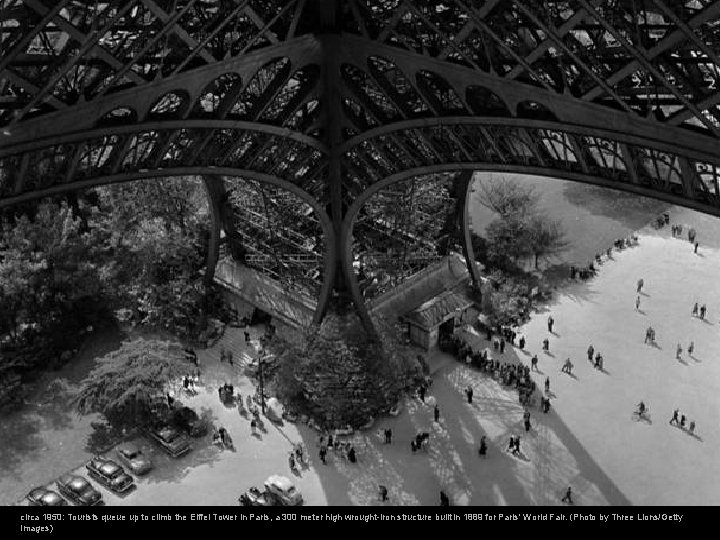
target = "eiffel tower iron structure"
x: 337, y: 138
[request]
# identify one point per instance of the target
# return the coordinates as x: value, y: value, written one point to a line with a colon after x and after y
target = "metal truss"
x: 335, y: 101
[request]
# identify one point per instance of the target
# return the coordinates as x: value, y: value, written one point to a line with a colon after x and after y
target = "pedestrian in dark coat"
x: 546, y: 345
x: 590, y: 352
x: 547, y: 385
x: 469, y: 394
x: 483, y: 447
x: 521, y: 343
x: 383, y: 493
x: 388, y: 436
x: 703, y: 310
x: 444, y: 499
x: 436, y: 412
x: 568, y: 496
x: 421, y: 391
x: 550, y: 323
x: 502, y: 346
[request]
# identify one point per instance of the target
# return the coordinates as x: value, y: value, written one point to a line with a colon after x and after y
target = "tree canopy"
x: 128, y: 382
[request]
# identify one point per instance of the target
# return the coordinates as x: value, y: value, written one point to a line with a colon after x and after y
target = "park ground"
x: 588, y: 440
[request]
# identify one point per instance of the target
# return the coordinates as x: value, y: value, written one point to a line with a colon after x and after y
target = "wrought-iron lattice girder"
x: 337, y: 100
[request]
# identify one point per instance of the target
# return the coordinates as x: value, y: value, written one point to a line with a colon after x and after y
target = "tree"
x: 128, y: 382
x: 508, y: 197
x: 158, y: 230
x: 509, y: 241
x: 339, y: 375
x: 50, y: 283
x: 547, y: 237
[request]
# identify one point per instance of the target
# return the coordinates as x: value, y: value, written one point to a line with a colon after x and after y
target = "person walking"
x: 388, y: 436
x: 247, y: 337
x: 436, y: 412
x: 691, y: 428
x: 516, y: 450
x: 695, y: 310
x: 482, y: 451
x: 703, y: 310
x: 502, y: 346
x: 469, y: 394
x: 674, y: 419
x: 640, y: 284
x: 568, y: 496
x: 678, y: 351
x: 590, y: 352
x: 521, y: 342
x: 696, y: 246
x: 383, y: 493
x: 682, y: 421
x: 691, y: 348
x: 421, y: 391
x: 546, y: 345
x: 534, y: 363
x: 547, y: 385
x: 323, y: 454
x: 550, y: 323
x: 526, y: 420
x: 545, y: 404
x: 637, y: 303
x: 229, y: 357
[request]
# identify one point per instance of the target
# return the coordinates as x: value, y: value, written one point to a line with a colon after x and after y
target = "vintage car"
x: 171, y: 440
x: 133, y: 458
x: 78, y: 490
x: 283, y: 490
x: 110, y: 474
x: 255, y: 497
x: 44, y: 497
x: 279, y: 491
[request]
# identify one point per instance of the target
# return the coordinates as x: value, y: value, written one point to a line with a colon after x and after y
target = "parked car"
x: 283, y: 490
x: 255, y: 497
x: 134, y: 459
x: 110, y: 474
x: 45, y: 497
x: 187, y: 420
x: 171, y: 440
x: 78, y: 490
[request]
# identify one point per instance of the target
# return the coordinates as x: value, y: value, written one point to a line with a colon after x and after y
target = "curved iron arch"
x: 348, y: 223
x: 318, y: 209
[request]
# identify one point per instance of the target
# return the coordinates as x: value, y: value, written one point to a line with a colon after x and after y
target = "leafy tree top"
x: 127, y: 380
